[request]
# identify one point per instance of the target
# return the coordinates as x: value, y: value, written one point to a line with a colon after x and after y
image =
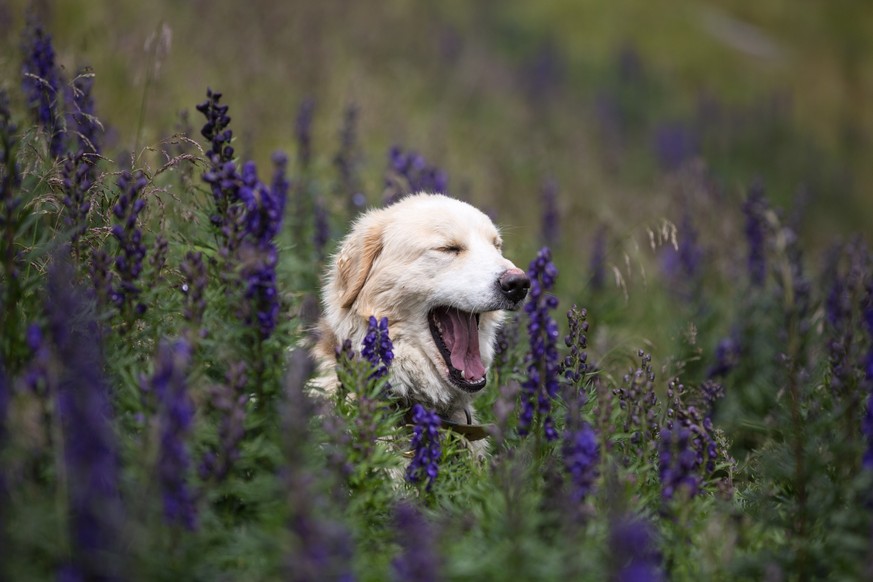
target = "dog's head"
x: 433, y: 266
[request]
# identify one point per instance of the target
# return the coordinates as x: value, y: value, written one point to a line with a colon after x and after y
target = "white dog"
x: 433, y: 266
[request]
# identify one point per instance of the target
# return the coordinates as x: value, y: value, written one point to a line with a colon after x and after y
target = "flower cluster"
x: 597, y: 264
x: 78, y: 172
x: 377, y: 347
x: 674, y: 143
x: 132, y: 250
x: 637, y: 399
x: 581, y: 454
x: 77, y: 179
x: 100, y: 271
x: 91, y: 461
x: 727, y: 355
x: 176, y: 415
x: 347, y: 160
x: 221, y: 175
x: 249, y: 215
x: 575, y: 364
x: 321, y: 232
x: 696, y: 417
x: 542, y: 383
x: 42, y: 84
x: 264, y: 211
x: 408, y: 173
x: 417, y: 560
x: 677, y: 463
x: 82, y: 115
x: 633, y: 550
x: 426, y: 447
x: 755, y: 208
x: 682, y: 264
x: 303, y: 133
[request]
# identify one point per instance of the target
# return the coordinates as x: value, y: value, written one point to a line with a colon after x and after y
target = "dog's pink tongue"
x: 464, y: 334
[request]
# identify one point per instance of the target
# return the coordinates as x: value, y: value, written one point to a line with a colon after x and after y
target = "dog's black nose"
x: 514, y: 284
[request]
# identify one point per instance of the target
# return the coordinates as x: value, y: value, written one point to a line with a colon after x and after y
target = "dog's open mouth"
x: 456, y: 334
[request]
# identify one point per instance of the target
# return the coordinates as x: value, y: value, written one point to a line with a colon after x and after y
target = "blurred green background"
x: 502, y: 93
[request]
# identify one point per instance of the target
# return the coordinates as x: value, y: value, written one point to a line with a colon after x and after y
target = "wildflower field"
x: 685, y: 395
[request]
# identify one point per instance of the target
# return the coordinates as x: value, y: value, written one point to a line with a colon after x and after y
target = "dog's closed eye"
x: 452, y: 248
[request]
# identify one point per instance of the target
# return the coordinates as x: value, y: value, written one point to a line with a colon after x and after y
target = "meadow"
x: 687, y: 393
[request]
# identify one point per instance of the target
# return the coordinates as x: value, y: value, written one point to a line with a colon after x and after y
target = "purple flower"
x: 42, y: 84
x: 633, y: 553
x: 100, y: 270
x: 409, y: 173
x: 542, y: 382
x: 674, y: 143
x: 418, y: 560
x: 91, y: 461
x: 682, y: 264
x: 754, y: 209
x: 175, y: 417
x: 347, y: 161
x: 132, y: 250
x: 677, y: 463
x: 215, y: 130
x: 377, y: 347
x: 581, y: 453
x: 550, y: 221
x: 264, y: 210
x: 221, y: 174
x: 575, y: 363
x: 598, y: 260
x: 77, y: 179
x: 303, y: 133
x: 321, y: 234
x: 83, y: 120
x: 426, y: 447
x: 637, y: 400
x: 36, y: 371
x: 727, y: 355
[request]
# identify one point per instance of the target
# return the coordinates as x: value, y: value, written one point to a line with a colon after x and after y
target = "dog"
x: 434, y: 266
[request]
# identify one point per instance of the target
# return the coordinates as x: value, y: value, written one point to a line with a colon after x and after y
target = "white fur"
x: 398, y: 262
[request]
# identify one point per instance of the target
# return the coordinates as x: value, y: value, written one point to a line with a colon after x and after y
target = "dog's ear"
x: 355, y: 262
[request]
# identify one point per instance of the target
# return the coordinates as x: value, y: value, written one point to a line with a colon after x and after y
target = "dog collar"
x: 470, y: 431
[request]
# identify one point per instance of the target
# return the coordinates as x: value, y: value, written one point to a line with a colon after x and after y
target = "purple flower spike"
x: 542, y: 383
x: 377, y: 347
x: 132, y: 250
x: 426, y: 446
x: 634, y: 555
x: 754, y: 208
x: 42, y: 85
x: 410, y: 173
x: 91, y: 461
x: 176, y: 415
x: 581, y: 453
x: 417, y: 560
x: 678, y: 463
